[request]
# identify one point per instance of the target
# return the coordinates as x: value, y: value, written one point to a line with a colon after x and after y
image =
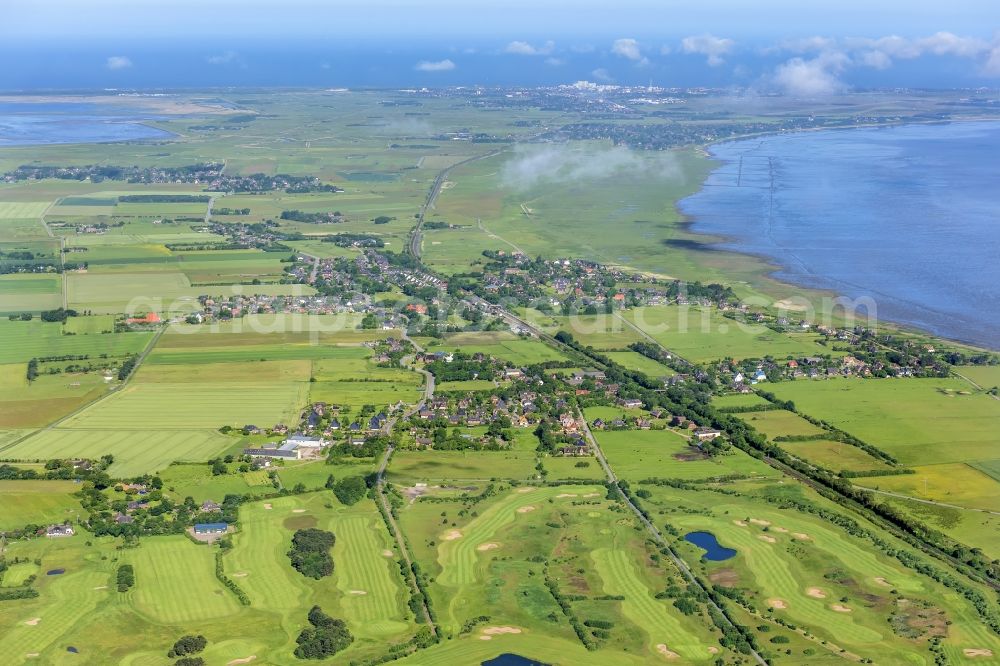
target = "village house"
x: 59, y: 530
x: 706, y: 434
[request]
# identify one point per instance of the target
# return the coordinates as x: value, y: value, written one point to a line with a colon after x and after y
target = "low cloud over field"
x: 537, y: 165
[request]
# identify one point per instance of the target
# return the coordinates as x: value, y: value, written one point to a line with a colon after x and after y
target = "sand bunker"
x: 769, y: 539
x: 782, y: 530
x: 713, y: 650
x: 977, y: 652
x: 489, y: 632
x: 240, y: 574
x: 524, y: 490
x: 840, y: 608
x: 801, y: 536
x: 662, y: 649
x: 267, y: 505
x: 779, y: 604
x: 762, y: 523
x: 451, y: 535
x: 526, y: 509
x: 358, y: 592
x: 740, y: 523
x: 487, y: 546
x: 561, y: 495
x: 816, y: 593
x: 592, y: 495
x: 244, y: 660
x: 298, y: 510
x: 101, y: 587
x: 31, y: 655
x: 33, y: 621
x: 882, y: 581
x: 388, y: 553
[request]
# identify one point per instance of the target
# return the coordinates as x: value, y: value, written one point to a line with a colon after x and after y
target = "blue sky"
x: 800, y: 47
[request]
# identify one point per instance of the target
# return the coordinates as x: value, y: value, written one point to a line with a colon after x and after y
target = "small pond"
x: 713, y: 550
x: 55, y: 572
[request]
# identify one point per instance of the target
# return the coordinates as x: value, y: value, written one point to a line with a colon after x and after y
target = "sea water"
x: 908, y: 216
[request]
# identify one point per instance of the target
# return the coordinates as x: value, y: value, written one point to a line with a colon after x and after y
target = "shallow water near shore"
x: 907, y: 216
x: 27, y: 124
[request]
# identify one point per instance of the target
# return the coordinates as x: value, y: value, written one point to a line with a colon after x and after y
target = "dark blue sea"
x: 38, y: 124
x: 908, y: 216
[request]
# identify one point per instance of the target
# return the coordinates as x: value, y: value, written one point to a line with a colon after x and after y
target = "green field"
x: 178, y: 584
x: 24, y: 340
x: 641, y: 454
x: 808, y: 566
x: 919, y: 421
x: 780, y: 423
x: 500, y: 345
x: 423, y: 466
x: 37, y: 503
x: 481, y: 566
x: 834, y: 455
x: 635, y: 361
x: 702, y: 334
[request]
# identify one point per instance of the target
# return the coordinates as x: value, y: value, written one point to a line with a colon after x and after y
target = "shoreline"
x: 769, y: 267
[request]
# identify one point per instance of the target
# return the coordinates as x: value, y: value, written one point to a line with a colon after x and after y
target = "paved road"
x: 416, y: 234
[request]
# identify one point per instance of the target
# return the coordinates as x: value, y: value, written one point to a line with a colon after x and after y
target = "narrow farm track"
x: 925, y: 501
x: 415, y: 242
x: 142, y: 357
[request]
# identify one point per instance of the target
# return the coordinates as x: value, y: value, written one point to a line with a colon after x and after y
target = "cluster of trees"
x: 354, y: 240
x: 350, y: 489
x: 312, y: 218
x: 59, y: 315
x: 127, y: 366
x: 325, y: 638
x: 310, y: 552
x: 125, y: 577
x: 461, y: 368
x: 187, y: 645
x: 164, y: 198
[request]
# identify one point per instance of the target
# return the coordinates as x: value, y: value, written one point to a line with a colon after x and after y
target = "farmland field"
x: 640, y: 454
x: 136, y: 451
x: 703, y: 334
x: 780, y: 423
x: 37, y: 503
x: 24, y: 340
x: 421, y: 466
x: 919, y: 421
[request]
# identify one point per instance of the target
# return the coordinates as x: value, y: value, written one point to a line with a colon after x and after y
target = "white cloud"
x: 555, y: 62
x: 817, y: 76
x: 118, y: 62
x: 223, y: 58
x: 629, y: 48
x: 992, y: 66
x: 875, y: 59
x: 535, y: 165
x: 946, y: 43
x: 524, y: 48
x: 435, y: 66
x: 602, y: 75
x: 708, y: 45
